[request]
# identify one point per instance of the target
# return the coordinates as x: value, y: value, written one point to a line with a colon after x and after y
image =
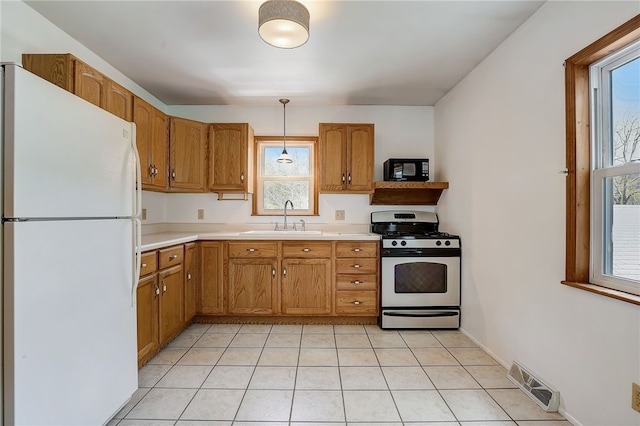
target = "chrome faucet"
x: 285, y: 212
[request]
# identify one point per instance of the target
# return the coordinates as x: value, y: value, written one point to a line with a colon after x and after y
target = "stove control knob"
x: 394, y: 243
x: 438, y: 243
x: 403, y: 243
x: 447, y: 243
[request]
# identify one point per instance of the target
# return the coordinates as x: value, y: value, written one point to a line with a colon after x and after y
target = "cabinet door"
x: 159, y: 149
x: 147, y: 312
x: 142, y: 117
x: 333, y: 154
x: 211, y: 279
x: 171, y: 301
x: 89, y: 84
x: 190, y: 281
x: 252, y: 286
x: 187, y: 155
x: 306, y: 286
x: 119, y: 101
x: 228, y: 157
x: 360, y: 155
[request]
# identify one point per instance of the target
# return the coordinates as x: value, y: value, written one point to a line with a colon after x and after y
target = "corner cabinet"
x: 187, y: 155
x: 346, y: 157
x: 230, y: 158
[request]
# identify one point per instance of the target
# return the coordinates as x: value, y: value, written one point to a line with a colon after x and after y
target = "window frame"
x: 578, y: 153
x: 258, y: 190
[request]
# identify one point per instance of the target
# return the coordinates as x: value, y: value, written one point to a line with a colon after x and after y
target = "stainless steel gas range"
x: 420, y: 271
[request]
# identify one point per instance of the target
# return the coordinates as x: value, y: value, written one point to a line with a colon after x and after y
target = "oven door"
x: 420, y: 281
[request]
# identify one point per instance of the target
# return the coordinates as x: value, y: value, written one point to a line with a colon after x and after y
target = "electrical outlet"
x: 200, y: 213
x: 635, y: 396
x: 144, y: 214
x: 339, y: 214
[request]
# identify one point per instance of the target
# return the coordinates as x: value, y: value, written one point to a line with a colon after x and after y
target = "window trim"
x: 578, y: 153
x: 313, y: 140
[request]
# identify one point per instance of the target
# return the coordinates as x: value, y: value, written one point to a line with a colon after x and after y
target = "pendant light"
x: 284, y: 157
x: 283, y: 23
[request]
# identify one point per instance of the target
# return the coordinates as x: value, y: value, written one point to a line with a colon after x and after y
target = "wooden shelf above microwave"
x: 407, y: 193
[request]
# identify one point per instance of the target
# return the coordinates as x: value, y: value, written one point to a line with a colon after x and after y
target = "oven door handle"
x: 421, y: 314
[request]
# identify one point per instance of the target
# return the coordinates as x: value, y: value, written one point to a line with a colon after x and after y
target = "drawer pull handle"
x: 173, y: 256
x: 144, y: 265
x: 306, y: 250
x: 164, y: 287
x: 357, y: 302
x: 357, y: 250
x: 157, y: 292
x: 356, y: 282
x: 357, y: 266
x: 188, y: 276
x: 251, y: 250
x: 284, y: 272
x: 273, y: 272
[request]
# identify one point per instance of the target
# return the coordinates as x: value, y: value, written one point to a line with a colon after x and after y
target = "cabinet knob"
x: 189, y: 276
x: 306, y: 250
x: 173, y: 256
x: 343, y: 179
x: 273, y: 272
x: 157, y: 292
x: 349, y: 179
x: 242, y: 177
x: 284, y: 272
x: 164, y: 287
x: 144, y: 265
x: 173, y: 174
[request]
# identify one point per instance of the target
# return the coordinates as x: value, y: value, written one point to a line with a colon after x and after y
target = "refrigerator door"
x: 70, y: 324
x: 64, y: 157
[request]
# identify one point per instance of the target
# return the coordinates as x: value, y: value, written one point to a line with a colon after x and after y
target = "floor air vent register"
x: 540, y: 392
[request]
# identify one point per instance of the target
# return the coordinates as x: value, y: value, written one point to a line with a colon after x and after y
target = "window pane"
x: 621, y: 251
x: 277, y: 192
x: 299, y: 167
x: 625, y: 111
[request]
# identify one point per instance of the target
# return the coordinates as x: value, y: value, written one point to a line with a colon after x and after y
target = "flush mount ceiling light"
x: 283, y: 23
x: 284, y: 157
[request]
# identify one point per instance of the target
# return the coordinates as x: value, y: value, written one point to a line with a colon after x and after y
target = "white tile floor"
x: 294, y: 375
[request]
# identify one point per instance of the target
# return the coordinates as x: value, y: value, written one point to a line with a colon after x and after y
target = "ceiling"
x: 359, y: 52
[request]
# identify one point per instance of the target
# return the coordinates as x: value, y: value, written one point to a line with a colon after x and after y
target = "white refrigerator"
x: 71, y: 232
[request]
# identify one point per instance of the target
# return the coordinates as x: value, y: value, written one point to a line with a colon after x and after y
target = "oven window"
x: 421, y: 277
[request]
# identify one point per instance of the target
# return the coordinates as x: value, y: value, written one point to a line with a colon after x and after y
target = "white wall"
x: 500, y: 143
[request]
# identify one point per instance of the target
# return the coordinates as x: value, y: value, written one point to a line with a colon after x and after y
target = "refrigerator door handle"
x: 137, y: 222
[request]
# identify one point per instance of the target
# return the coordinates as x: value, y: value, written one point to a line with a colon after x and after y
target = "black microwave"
x: 406, y: 169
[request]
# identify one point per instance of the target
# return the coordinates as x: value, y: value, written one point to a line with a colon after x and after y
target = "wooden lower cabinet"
x: 190, y: 282
x: 305, y: 285
x: 211, y: 279
x: 171, y: 283
x: 160, y: 299
x: 252, y: 286
x: 147, y: 314
x: 357, y: 278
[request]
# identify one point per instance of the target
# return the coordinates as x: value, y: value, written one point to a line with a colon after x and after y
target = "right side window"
x: 615, y: 170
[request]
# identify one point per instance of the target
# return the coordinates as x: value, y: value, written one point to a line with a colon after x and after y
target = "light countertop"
x: 165, y: 239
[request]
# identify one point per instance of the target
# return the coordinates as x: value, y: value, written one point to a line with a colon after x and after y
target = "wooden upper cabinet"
x: 346, y: 157
x: 89, y: 84
x: 188, y: 155
x: 230, y: 148
x: 75, y: 76
x: 152, y: 139
x: 119, y: 101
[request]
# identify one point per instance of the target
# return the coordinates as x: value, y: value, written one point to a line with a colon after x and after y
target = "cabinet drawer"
x: 357, y: 282
x: 357, y: 302
x: 306, y: 249
x: 148, y: 263
x: 357, y: 266
x: 170, y: 256
x: 253, y: 249
x: 357, y: 249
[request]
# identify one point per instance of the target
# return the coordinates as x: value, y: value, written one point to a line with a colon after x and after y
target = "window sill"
x: 604, y: 291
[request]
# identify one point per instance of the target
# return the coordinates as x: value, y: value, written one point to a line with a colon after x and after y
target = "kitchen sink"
x: 288, y: 232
